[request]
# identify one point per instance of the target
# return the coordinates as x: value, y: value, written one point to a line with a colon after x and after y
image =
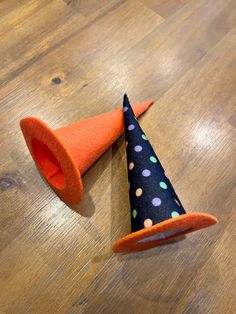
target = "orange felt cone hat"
x: 63, y: 155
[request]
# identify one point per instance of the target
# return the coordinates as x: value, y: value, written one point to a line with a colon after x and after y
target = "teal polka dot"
x: 144, y: 137
x: 174, y: 214
x: 134, y: 213
x: 153, y: 159
x: 163, y: 185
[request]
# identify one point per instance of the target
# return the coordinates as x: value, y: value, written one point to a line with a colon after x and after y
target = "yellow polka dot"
x: 139, y: 192
x: 147, y: 223
x: 131, y: 166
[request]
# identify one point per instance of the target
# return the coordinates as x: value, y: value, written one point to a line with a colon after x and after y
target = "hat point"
x: 126, y: 101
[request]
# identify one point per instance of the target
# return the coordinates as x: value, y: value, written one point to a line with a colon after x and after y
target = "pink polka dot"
x: 139, y: 192
x: 147, y: 223
x: 131, y: 166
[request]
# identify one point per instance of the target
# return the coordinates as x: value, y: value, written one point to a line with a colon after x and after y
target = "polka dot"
x: 139, y: 192
x: 125, y: 109
x: 174, y: 214
x: 131, y: 166
x: 163, y: 185
x: 146, y: 173
x: 134, y: 213
x: 147, y: 223
x: 131, y: 127
x: 153, y: 159
x: 156, y: 201
x: 144, y: 137
x: 138, y: 148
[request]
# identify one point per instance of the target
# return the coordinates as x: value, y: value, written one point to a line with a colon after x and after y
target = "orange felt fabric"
x: 63, y: 155
x: 89, y: 139
x: 188, y: 223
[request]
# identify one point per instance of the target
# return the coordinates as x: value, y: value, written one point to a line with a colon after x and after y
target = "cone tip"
x: 150, y: 102
x: 126, y: 101
x: 145, y: 104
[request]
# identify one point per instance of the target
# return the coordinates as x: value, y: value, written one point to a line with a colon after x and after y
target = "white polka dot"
x: 147, y: 223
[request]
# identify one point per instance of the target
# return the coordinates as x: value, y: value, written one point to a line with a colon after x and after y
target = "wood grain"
x: 66, y: 60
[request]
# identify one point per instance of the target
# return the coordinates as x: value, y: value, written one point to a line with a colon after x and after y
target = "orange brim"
x: 60, y: 171
x: 137, y: 241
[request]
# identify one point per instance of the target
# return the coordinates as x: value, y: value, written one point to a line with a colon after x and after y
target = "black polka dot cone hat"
x: 157, y: 214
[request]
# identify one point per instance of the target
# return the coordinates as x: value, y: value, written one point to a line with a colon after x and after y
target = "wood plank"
x: 141, y: 279
x: 165, y: 8
x: 34, y: 38
x: 67, y: 60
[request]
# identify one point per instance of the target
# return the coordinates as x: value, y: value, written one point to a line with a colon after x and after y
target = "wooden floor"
x: 67, y: 60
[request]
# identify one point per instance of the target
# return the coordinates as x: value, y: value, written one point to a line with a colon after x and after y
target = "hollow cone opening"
x: 48, y: 164
x: 164, y: 235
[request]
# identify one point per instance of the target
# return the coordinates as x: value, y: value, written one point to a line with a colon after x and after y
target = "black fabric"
x: 152, y: 197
